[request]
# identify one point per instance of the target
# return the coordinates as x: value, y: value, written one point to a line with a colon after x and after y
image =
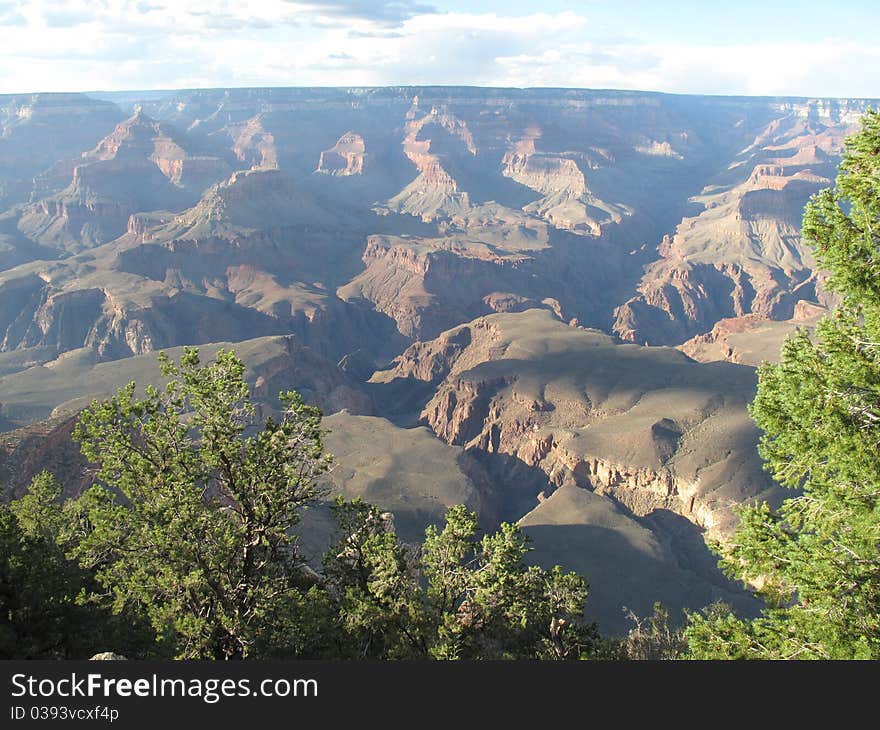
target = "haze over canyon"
x: 546, y: 304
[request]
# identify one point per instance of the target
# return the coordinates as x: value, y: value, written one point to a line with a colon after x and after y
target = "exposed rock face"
x: 567, y: 203
x: 742, y: 255
x: 425, y: 288
x: 248, y: 200
x: 26, y: 452
x: 142, y: 165
x: 493, y: 259
x: 253, y: 144
x: 647, y: 426
x: 37, y: 130
x: 658, y: 149
x: 345, y: 158
x: 434, y: 194
x: 750, y: 339
x: 218, y: 271
x: 519, y: 197
x: 115, y: 324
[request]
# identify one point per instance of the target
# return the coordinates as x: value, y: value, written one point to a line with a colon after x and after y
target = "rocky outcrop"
x: 75, y: 224
x: 141, y: 166
x: 432, y: 361
x: 345, y: 158
x: 241, y: 263
x: 140, y: 138
x: 196, y: 172
x: 655, y: 148
x: 293, y: 366
x: 567, y: 203
x: 114, y: 324
x: 253, y: 144
x: 431, y: 196
x: 742, y: 255
x: 27, y: 451
x: 647, y: 426
x: 434, y: 194
x: 394, y: 282
x: 248, y: 200
x: 751, y: 339
x: 64, y: 317
x: 429, y: 285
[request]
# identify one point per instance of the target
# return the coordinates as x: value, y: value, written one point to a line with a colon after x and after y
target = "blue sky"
x: 772, y: 47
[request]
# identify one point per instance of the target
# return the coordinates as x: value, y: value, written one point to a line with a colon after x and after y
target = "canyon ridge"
x: 546, y: 304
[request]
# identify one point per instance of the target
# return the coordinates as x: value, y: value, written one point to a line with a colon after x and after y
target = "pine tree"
x: 191, y: 529
x: 45, y: 611
x: 191, y: 517
x: 816, y: 560
x: 457, y: 596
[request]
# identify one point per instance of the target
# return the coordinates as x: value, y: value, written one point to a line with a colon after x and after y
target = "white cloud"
x: 125, y: 44
x: 382, y: 11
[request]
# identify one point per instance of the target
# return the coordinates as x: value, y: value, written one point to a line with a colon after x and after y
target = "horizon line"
x: 388, y: 87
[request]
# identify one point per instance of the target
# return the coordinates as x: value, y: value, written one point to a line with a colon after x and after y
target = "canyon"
x: 546, y: 304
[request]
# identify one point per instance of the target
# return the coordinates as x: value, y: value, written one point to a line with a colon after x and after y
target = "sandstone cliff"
x: 142, y: 165
x: 345, y: 158
x: 567, y: 203
x: 742, y: 254
x: 648, y: 426
x: 750, y: 339
x: 252, y: 144
x: 434, y: 194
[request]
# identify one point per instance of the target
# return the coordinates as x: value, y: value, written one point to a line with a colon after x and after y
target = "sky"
x: 753, y: 47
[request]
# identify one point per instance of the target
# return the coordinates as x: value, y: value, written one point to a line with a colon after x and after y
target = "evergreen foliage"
x: 816, y: 560
x: 189, y: 539
x: 47, y: 601
x: 458, y: 596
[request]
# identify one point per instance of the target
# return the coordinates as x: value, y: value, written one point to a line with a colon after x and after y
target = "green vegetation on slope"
x: 187, y: 537
x: 816, y: 560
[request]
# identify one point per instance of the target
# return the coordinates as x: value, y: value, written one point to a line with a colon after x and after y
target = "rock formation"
x: 434, y: 194
x: 486, y: 249
x: 742, y: 255
x: 750, y: 339
x: 38, y: 130
x: 222, y: 270
x: 644, y: 425
x: 141, y: 166
x: 252, y: 144
x: 567, y: 203
x: 345, y: 158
